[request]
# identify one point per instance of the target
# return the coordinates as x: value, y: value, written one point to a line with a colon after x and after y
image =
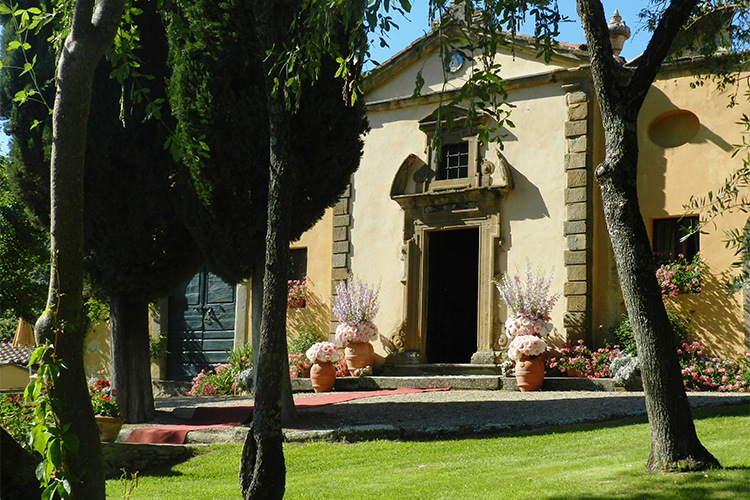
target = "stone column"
x: 577, y: 227
x: 340, y: 260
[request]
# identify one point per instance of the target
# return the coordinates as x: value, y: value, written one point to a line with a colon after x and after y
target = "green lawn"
x: 586, y: 462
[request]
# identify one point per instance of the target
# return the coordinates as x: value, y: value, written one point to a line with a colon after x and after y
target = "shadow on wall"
x: 525, y: 202
x: 314, y: 318
x: 713, y: 316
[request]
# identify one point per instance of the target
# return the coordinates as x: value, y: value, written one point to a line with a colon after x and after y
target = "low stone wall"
x: 135, y: 457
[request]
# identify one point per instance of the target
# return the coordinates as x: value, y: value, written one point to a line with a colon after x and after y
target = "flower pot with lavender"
x: 356, y: 305
x: 323, y: 373
x: 529, y: 304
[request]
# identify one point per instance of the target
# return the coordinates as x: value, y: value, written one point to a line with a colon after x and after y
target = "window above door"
x: 454, y: 158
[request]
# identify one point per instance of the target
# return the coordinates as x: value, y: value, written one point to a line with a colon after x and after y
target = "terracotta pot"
x: 322, y: 376
x: 574, y: 373
x: 296, y: 303
x: 358, y: 355
x: 529, y: 373
x: 109, y: 427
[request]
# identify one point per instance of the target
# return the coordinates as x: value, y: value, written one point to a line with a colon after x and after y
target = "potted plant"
x: 322, y: 372
x: 106, y: 412
x: 529, y: 304
x: 356, y: 305
x: 296, y: 293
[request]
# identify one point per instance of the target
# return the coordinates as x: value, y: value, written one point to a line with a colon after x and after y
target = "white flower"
x: 355, y: 332
x: 324, y: 352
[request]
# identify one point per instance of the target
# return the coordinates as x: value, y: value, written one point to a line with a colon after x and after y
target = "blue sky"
x: 417, y: 24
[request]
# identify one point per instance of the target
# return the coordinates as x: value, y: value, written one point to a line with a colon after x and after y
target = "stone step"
x: 458, y: 382
x: 417, y: 369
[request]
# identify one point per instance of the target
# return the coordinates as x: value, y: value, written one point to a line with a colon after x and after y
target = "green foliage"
x: 157, y: 349
x: 23, y: 259
x: 300, y: 342
x: 17, y: 417
x: 624, y: 332
x: 223, y: 99
x: 222, y: 378
x: 8, y: 324
x: 49, y: 437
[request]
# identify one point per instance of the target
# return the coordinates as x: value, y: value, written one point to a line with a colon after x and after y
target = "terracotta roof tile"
x: 10, y: 354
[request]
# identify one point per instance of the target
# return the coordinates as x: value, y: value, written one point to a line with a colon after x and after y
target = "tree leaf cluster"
x: 221, y: 101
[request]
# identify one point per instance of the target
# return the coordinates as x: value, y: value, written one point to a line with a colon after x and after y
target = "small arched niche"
x: 674, y: 128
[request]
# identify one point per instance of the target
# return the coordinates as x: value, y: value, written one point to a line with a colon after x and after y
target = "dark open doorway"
x: 452, y: 295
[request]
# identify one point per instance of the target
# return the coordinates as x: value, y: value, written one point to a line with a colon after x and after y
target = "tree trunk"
x: 129, y: 360
x: 92, y: 32
x: 262, y: 469
x: 674, y: 442
x: 17, y: 466
x: 288, y: 410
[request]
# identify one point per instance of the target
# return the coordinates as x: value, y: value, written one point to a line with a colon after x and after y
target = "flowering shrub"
x: 355, y: 332
x: 624, y: 331
x: 326, y: 352
x: 681, y: 276
x: 17, y: 417
x: 578, y: 357
x: 341, y: 369
x: 222, y: 378
x: 299, y: 365
x: 296, y: 292
x: 102, y: 395
x: 526, y: 345
x: 704, y: 373
x: 699, y: 371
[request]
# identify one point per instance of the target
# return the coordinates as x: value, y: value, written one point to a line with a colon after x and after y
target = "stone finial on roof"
x: 618, y: 33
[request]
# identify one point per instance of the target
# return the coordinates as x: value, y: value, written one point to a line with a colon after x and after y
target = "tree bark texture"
x: 288, y: 410
x: 129, y: 360
x: 92, y: 31
x: 620, y: 92
x: 17, y: 480
x: 262, y: 468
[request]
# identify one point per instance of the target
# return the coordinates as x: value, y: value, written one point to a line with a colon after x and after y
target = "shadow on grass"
x: 718, y: 484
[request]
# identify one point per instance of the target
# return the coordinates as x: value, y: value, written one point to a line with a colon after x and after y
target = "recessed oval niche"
x: 673, y: 128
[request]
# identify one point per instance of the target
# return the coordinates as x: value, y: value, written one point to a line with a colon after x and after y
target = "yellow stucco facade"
x: 548, y: 210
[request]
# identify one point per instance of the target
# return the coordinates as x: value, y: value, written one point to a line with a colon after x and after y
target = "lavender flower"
x: 355, y: 302
x: 528, y: 297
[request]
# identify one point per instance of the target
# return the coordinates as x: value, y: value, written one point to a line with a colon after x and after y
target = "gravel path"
x: 448, y: 413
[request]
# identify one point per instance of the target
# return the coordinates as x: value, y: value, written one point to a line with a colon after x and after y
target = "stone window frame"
x: 460, y: 131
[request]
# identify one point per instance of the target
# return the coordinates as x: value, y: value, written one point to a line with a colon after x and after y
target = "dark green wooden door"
x: 201, y: 325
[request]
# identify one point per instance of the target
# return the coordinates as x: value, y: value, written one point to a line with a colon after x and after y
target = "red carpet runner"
x: 208, y: 417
